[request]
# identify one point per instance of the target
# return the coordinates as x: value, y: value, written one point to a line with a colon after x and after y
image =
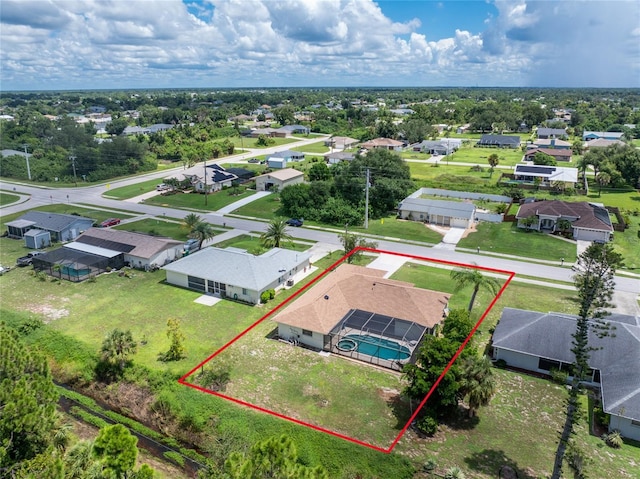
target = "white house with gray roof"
x: 540, y: 342
x: 235, y: 273
x: 61, y: 227
x: 440, y: 212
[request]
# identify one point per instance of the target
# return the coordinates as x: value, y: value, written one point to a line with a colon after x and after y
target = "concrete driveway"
x: 451, y: 238
x: 234, y: 206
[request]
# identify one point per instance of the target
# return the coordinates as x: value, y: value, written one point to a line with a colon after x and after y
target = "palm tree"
x: 190, y: 221
x: 603, y: 179
x: 476, y: 382
x: 276, y: 234
x: 471, y: 276
x: 117, y: 347
x: 493, y: 162
x: 203, y: 231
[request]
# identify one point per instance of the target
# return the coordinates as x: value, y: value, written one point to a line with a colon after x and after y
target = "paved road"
x: 93, y: 196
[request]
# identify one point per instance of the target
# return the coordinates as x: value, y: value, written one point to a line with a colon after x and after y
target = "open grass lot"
x: 519, y: 427
x: 159, y: 227
x: 130, y: 191
x: 245, y: 142
x: 445, y: 176
x: 623, y: 198
x: 252, y: 243
x: 478, y: 156
x: 318, y: 147
x: 7, y: 198
x: 196, y: 201
x: 507, y: 238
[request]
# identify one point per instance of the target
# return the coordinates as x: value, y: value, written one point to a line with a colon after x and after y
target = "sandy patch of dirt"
x: 48, y: 313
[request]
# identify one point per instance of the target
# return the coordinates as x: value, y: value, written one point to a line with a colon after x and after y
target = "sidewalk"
x: 244, y: 201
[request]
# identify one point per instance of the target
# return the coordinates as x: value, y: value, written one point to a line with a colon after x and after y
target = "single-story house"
x: 216, y: 177
x: 603, y: 135
x: 146, y: 130
x: 463, y: 128
x: 445, y: 146
x: 37, y: 239
x: 61, y: 227
x: 268, y: 132
x: 356, y: 299
x: 337, y: 157
x: 234, y: 273
x: 280, y: 178
x: 552, y: 143
x: 384, y: 143
x: 293, y: 129
x: 541, y: 342
x: 499, y: 141
x: 547, y: 174
x: 440, y: 212
x: 139, y: 250
x: 548, y: 133
x: 341, y: 142
x: 602, y: 143
x: 589, y: 222
x: 280, y: 159
x: 558, y: 154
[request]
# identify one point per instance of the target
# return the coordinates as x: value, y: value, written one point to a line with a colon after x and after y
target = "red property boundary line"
x: 183, y: 379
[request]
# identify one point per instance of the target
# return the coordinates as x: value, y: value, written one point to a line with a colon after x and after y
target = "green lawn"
x: 521, y: 422
x: 130, y: 191
x: 478, y: 156
x: 251, y: 142
x: 252, y: 243
x: 160, y: 227
x: 266, y: 207
x: 447, y: 176
x: 507, y: 238
x: 196, y: 201
x: 318, y: 147
x: 7, y: 198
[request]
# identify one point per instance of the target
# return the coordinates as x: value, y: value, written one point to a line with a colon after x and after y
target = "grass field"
x: 252, y: 243
x: 318, y: 147
x: 160, y: 227
x: 245, y: 142
x: 7, y: 198
x: 196, y: 201
x: 478, y: 156
x: 130, y: 191
x: 507, y: 238
x: 84, y: 312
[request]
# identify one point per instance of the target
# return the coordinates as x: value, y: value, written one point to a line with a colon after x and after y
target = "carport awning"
x: 87, y: 248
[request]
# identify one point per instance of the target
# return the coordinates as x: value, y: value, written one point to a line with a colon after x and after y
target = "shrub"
x: 559, y: 377
x: 501, y: 364
x: 454, y: 473
x: 614, y: 439
x: 174, y: 457
x: 601, y: 417
x: 428, y: 425
x: 265, y: 297
x: 430, y: 465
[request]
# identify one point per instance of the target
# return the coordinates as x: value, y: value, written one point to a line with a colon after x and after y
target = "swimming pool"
x: 374, y: 346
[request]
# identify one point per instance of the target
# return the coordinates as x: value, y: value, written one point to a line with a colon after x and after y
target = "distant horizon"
x: 87, y: 45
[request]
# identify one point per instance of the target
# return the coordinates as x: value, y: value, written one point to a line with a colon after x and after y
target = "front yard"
x: 507, y: 238
x: 196, y: 201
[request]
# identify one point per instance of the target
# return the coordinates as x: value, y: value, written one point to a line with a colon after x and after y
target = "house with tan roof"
x: 589, y: 222
x: 279, y: 178
x: 354, y: 302
x: 384, y: 143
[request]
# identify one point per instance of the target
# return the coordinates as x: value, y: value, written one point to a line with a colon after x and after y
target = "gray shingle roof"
x: 499, y: 140
x: 453, y: 209
x: 52, y: 221
x: 239, y: 268
x: 617, y: 356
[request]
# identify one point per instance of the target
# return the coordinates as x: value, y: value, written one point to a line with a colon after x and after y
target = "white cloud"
x: 137, y: 43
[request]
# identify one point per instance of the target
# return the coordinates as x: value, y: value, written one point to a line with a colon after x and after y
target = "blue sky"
x: 86, y: 44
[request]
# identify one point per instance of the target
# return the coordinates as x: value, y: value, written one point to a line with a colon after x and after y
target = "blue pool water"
x: 374, y: 346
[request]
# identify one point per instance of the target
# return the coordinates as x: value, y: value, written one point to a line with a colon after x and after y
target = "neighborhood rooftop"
x: 352, y: 287
x: 135, y: 244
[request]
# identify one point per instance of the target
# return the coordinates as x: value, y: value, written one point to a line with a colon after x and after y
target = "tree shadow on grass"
x: 495, y: 463
x: 400, y: 408
x: 460, y: 420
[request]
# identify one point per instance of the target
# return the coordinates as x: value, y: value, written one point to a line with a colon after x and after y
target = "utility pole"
x: 366, y: 202
x: 73, y: 164
x: 205, y: 182
x: 26, y: 157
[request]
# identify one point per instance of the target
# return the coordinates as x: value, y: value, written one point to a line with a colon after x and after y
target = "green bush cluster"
x: 267, y: 295
x: 88, y: 417
x: 559, y: 377
x: 175, y: 457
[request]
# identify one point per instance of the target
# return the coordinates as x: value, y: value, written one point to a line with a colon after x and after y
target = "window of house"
x: 635, y: 423
x: 244, y: 291
x: 306, y: 332
x: 548, y: 365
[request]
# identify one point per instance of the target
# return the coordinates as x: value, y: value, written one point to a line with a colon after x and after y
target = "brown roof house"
x: 589, y: 222
x: 384, y: 143
x: 279, y: 178
x: 355, y: 311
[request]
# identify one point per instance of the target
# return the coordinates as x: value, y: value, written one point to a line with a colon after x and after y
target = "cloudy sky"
x: 87, y: 44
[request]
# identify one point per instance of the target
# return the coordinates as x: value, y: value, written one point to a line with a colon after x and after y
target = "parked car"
x: 162, y: 187
x: 191, y: 245
x: 28, y: 258
x: 253, y: 160
x: 295, y: 222
x: 110, y: 222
